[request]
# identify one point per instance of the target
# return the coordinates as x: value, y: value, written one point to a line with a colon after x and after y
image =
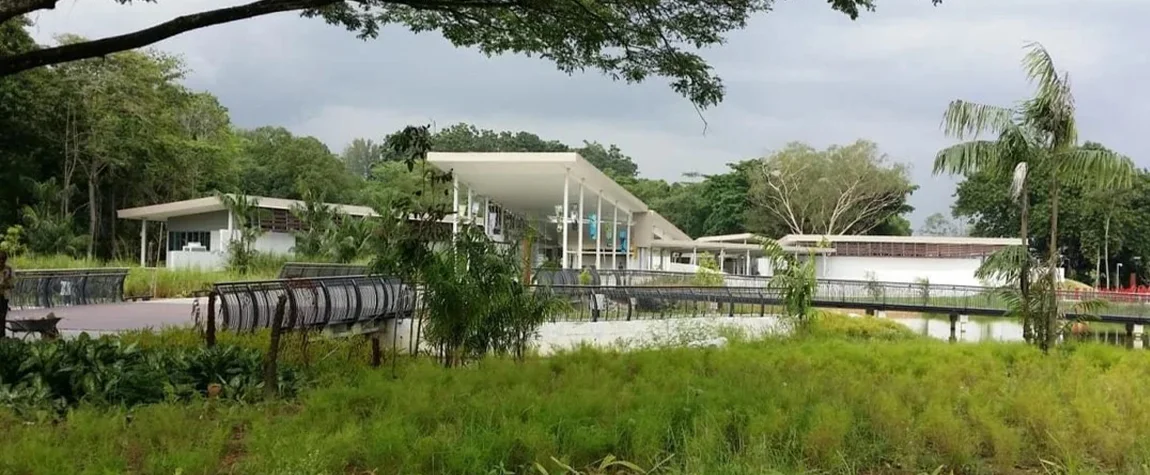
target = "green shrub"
x: 105, y: 371
x: 837, y: 325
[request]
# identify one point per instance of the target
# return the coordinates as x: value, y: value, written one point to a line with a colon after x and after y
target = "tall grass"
x: 158, y: 282
x: 828, y: 402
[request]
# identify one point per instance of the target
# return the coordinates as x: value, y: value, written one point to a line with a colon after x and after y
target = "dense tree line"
x: 80, y: 140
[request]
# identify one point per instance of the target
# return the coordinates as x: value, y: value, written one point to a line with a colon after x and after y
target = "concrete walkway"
x: 153, y: 314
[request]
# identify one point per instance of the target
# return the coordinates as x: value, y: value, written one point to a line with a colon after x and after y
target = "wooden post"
x: 210, y: 331
x: 270, y: 374
x: 953, y: 324
x: 376, y: 356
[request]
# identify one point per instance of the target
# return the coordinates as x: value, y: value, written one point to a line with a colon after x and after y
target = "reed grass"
x: 855, y: 395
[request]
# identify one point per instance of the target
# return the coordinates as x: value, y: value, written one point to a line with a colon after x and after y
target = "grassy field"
x: 854, y: 396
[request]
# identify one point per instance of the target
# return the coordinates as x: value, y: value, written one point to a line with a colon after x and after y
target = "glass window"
x: 178, y: 239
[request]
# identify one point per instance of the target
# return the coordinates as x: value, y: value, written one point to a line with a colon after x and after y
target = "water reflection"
x: 975, y: 330
x: 1000, y: 329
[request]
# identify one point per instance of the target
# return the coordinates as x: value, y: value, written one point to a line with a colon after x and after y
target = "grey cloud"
x: 801, y: 72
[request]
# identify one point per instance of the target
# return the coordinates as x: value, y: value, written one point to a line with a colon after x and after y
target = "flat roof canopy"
x: 710, y: 246
x: 161, y: 212
x: 533, y: 182
x: 800, y: 238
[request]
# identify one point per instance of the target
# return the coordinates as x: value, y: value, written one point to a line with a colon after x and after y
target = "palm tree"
x: 1040, y: 131
x: 1010, y: 155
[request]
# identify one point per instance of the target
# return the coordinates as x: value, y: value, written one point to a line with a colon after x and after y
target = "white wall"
x: 939, y: 271
x: 204, y: 260
x: 899, y: 269
x: 209, y: 222
x: 275, y: 243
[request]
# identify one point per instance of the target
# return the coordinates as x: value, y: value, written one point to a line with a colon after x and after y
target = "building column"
x: 144, y: 243
x: 579, y: 245
x: 694, y: 256
x: 455, y: 205
x: 563, y: 215
x: 470, y: 206
x: 615, y: 238
x: 630, y: 242
x: 722, y: 259
x: 749, y: 263
x: 486, y: 217
x: 599, y: 232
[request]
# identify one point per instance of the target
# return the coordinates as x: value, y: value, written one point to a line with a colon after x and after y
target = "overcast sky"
x: 801, y: 72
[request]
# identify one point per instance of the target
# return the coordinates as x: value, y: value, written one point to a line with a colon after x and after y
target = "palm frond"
x: 1099, y: 168
x: 967, y: 158
x: 1040, y: 68
x: 1088, y: 308
x: 967, y: 119
x: 1004, y: 265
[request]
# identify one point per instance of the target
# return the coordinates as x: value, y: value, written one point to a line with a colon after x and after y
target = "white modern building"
x: 908, y: 259
x: 583, y: 219
x: 198, y: 231
x: 603, y: 225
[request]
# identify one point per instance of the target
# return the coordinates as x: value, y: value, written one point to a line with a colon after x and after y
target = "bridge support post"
x: 953, y: 323
x: 870, y: 312
x: 210, y: 328
x: 376, y: 352
x: 270, y: 373
x: 1130, y: 335
x: 1137, y: 337
x: 962, y: 321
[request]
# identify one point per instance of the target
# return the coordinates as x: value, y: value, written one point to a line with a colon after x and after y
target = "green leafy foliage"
x: 245, y: 219
x: 793, y: 278
x: 60, y: 374
x: 848, y: 189
x: 708, y: 273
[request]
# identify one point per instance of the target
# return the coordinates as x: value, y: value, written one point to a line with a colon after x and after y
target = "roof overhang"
x: 790, y: 239
x: 533, y: 182
x: 729, y: 238
x: 739, y: 248
x: 165, y: 211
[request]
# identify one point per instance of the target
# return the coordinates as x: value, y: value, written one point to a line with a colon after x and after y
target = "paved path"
x: 119, y: 316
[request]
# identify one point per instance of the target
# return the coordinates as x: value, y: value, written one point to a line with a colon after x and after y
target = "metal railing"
x: 304, y: 270
x: 67, y: 287
x: 613, y: 294
x: 633, y: 277
x: 314, y: 302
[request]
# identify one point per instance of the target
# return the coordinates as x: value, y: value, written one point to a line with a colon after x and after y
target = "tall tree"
x: 278, y: 164
x: 30, y: 137
x: 118, y: 114
x: 938, y: 224
x: 841, y: 190
x: 610, y: 160
x: 1041, y: 132
x: 626, y: 39
x: 361, y: 155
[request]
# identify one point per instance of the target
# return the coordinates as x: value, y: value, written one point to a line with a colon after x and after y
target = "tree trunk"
x: 1024, y: 267
x: 93, y: 213
x: 1106, y: 252
x: 1051, y: 312
x: 1097, y: 268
